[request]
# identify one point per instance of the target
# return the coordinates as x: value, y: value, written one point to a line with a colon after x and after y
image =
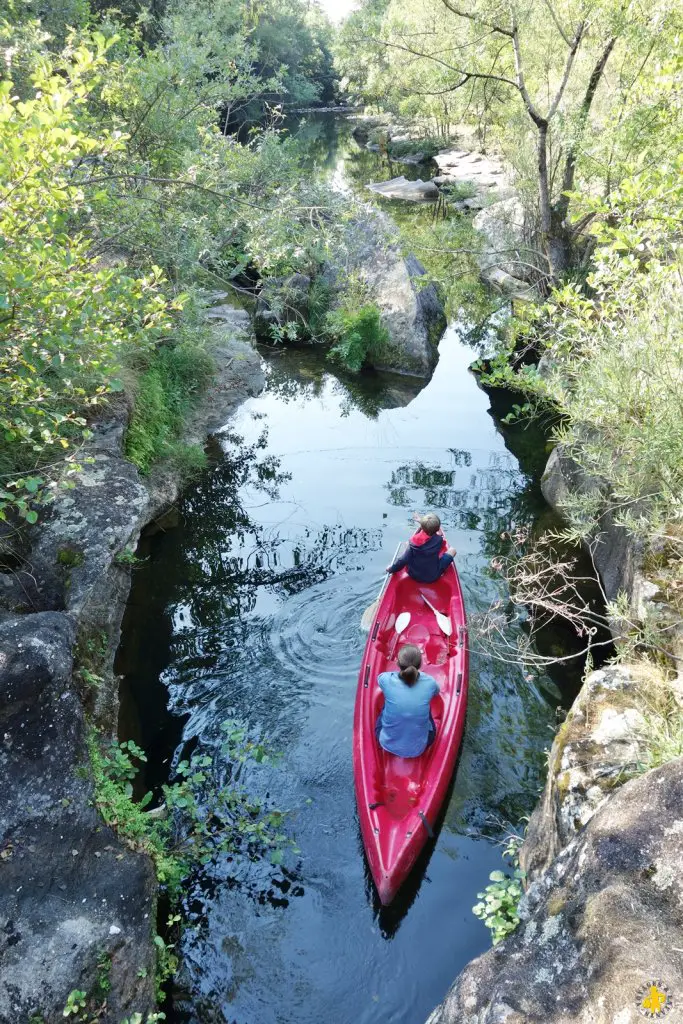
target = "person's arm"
x: 400, y: 562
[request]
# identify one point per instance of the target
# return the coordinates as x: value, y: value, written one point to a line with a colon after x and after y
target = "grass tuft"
x: 166, y: 392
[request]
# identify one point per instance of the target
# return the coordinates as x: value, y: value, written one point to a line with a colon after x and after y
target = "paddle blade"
x: 402, y: 622
x: 368, y: 616
x: 443, y: 622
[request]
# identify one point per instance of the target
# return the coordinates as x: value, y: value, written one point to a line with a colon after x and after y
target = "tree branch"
x: 176, y: 182
x: 557, y: 22
x: 466, y: 75
x: 539, y: 121
x: 573, y: 50
x: 476, y: 19
x: 589, y: 96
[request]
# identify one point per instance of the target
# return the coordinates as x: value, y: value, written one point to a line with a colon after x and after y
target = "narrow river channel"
x: 249, y: 608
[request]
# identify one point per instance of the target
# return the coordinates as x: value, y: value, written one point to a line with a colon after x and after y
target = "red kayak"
x: 399, y: 798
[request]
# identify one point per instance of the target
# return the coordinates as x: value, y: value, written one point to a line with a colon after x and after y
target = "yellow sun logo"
x: 654, y: 1000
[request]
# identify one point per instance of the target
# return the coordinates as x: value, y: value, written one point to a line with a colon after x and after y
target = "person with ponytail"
x: 405, y: 726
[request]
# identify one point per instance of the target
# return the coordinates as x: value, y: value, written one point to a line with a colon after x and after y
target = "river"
x: 248, y: 607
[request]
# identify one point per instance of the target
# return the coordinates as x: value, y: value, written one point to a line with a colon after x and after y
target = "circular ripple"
x: 318, y: 632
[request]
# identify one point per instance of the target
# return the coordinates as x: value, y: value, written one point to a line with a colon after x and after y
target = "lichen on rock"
x: 601, y: 923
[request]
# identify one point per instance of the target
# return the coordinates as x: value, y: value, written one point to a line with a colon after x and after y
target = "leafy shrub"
x: 500, y: 899
x: 361, y: 336
x: 65, y: 321
x: 202, y: 821
x: 612, y: 361
x: 319, y: 302
x: 409, y: 147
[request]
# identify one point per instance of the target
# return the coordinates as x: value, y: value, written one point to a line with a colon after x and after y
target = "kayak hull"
x: 399, y: 799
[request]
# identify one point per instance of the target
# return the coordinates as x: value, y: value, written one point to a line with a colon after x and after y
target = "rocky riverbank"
x: 601, y: 918
x: 508, y: 261
x: 78, y: 906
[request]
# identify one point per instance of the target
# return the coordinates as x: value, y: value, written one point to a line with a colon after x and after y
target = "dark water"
x: 249, y: 607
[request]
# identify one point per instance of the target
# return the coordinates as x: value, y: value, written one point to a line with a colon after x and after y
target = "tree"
x: 547, y: 60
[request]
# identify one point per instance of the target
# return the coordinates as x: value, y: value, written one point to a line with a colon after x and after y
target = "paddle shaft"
x: 369, y: 613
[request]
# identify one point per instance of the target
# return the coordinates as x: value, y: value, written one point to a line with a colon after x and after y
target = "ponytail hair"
x: 409, y: 661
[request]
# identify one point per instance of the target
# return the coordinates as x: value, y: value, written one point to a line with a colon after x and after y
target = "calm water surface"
x: 249, y: 608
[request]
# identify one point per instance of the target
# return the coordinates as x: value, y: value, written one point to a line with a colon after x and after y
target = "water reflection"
x: 299, y: 375
x: 328, y: 149
x: 251, y: 606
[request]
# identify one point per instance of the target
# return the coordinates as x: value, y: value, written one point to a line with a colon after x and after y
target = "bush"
x: 66, y: 321
x: 613, y: 362
x: 361, y: 336
x: 410, y: 147
x: 202, y: 820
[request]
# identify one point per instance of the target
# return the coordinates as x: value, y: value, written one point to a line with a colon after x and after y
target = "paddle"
x: 370, y: 612
x: 444, y: 623
x: 402, y: 622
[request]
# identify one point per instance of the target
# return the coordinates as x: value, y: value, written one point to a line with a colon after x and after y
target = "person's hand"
x: 452, y: 551
x: 417, y: 518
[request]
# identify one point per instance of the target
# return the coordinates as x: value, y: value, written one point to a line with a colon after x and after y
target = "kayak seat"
x: 417, y: 634
x: 436, y: 650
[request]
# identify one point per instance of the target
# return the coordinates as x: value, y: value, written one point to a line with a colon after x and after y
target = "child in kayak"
x: 427, y: 556
x: 405, y: 726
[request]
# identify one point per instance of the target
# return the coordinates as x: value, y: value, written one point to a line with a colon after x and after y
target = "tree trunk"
x: 558, y: 247
x: 553, y: 235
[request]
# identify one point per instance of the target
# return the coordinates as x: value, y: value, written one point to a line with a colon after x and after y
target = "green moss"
x: 70, y: 557
x: 556, y: 904
x: 561, y: 739
x: 562, y: 783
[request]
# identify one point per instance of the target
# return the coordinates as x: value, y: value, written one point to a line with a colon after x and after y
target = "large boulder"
x: 601, y: 743
x: 411, y: 311
x: 71, y: 893
x: 81, y: 532
x: 616, y: 553
x: 77, y: 907
x: 417, y: 191
x: 599, y: 929
x: 506, y: 260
